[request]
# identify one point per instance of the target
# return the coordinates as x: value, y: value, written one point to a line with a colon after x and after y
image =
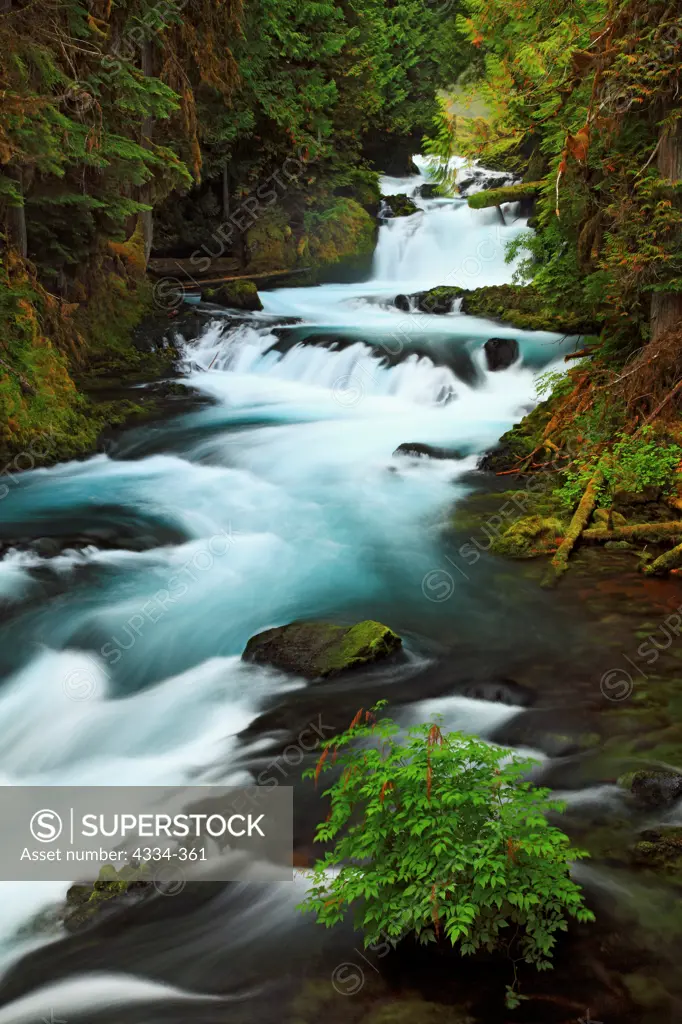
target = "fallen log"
x: 639, y: 531
x: 197, y: 283
x: 664, y: 563
x: 581, y: 516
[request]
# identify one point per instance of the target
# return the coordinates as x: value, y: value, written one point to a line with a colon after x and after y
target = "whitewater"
x: 279, y: 499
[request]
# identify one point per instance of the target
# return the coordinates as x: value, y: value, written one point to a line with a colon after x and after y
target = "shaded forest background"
x: 255, y: 131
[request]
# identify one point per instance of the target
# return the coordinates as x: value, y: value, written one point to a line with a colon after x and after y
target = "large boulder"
x: 654, y: 787
x: 399, y: 205
x: 317, y: 650
x: 337, y: 236
x: 235, y: 295
x: 113, y: 891
x: 430, y: 190
x: 500, y: 353
x: 436, y: 300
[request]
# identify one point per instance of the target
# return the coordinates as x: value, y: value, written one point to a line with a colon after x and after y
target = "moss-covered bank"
x: 60, y: 361
x: 580, y: 479
x: 519, y: 306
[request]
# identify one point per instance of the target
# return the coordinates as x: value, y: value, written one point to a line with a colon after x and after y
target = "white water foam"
x: 294, y: 466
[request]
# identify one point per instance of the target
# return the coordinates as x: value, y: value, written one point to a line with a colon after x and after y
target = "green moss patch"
x: 321, y: 649
x: 401, y: 205
x: 235, y: 295
x: 337, y: 233
x: 530, y: 537
x: 84, y: 902
x: 524, y: 307
x: 508, y: 194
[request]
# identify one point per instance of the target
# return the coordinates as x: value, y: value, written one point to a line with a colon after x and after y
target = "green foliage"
x: 441, y: 837
x: 552, y: 383
x: 634, y: 463
x: 587, y: 96
x: 641, y: 462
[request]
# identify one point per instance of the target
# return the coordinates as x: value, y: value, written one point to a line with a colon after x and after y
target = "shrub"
x: 441, y: 836
x: 635, y: 463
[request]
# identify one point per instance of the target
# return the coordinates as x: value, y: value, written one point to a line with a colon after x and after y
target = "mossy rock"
x: 518, y: 443
x: 437, y: 300
x: 341, y: 233
x: 399, y: 205
x: 338, y: 235
x: 321, y: 649
x: 84, y: 903
x: 654, y: 787
x: 524, y: 307
x: 507, y: 194
x: 270, y: 242
x: 414, y: 1011
x: 235, y: 295
x: 529, y: 537
x: 660, y: 850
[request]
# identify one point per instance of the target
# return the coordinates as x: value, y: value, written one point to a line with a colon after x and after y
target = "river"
x: 278, y: 499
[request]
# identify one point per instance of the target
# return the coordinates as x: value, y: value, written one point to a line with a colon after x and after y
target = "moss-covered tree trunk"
x: 666, y: 307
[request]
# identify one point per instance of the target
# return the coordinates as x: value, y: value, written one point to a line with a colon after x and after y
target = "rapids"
x: 281, y: 499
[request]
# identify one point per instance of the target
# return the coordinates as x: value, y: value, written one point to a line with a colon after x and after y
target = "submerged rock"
x: 427, y: 191
x: 655, y: 787
x: 235, y: 295
x: 660, y: 849
x: 113, y: 891
x: 416, y: 1011
x: 322, y: 649
x: 399, y: 205
x: 500, y: 353
x: 430, y: 451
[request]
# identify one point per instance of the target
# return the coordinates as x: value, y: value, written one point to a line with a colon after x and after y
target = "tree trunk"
x: 15, y: 217
x: 15, y: 220
x: 666, y: 307
x: 226, y: 194
x: 147, y: 216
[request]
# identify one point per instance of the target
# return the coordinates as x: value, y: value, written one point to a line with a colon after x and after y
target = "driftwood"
x: 559, y: 563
